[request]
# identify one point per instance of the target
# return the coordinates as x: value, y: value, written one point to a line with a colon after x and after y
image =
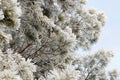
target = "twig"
x: 21, y: 51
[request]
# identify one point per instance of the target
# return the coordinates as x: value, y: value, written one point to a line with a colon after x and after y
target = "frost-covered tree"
x: 12, y: 65
x: 38, y: 40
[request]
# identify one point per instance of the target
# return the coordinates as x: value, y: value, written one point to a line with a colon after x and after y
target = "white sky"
x: 110, y: 37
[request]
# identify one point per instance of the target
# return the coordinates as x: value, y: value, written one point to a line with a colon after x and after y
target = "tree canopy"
x: 39, y: 39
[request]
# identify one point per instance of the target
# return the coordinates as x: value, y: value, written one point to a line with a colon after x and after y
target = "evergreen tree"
x: 39, y: 39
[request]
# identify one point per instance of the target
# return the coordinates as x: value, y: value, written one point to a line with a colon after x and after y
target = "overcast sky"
x: 110, y: 37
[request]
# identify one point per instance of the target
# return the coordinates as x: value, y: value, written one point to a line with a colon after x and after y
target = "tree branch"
x: 21, y: 51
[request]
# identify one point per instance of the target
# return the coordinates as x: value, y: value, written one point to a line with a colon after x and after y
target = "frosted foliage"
x: 50, y: 29
x: 92, y: 66
x: 9, y: 20
x: 9, y: 75
x: 11, y: 13
x: 15, y: 67
x: 113, y: 75
x: 66, y: 74
x: 47, y: 33
x: 4, y: 37
x: 85, y: 24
